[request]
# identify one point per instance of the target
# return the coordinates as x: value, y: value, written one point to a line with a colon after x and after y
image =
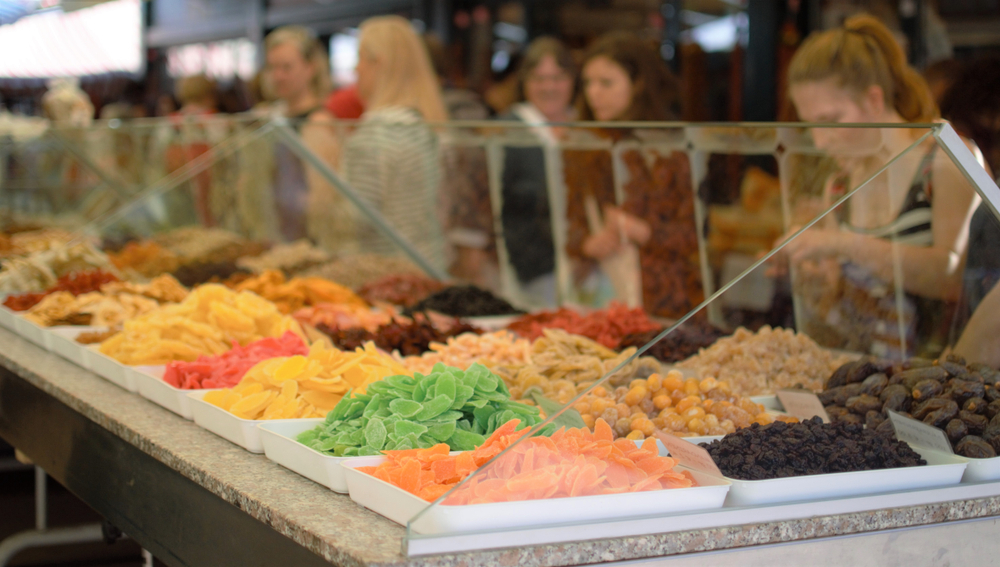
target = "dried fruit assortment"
x: 563, y: 365
x: 765, y: 361
x: 296, y: 293
x: 303, y: 386
x: 465, y: 301
x: 606, y: 326
x: 345, y: 316
x: 356, y: 270
x: 572, y: 462
x: 41, y: 270
x: 683, y: 342
x: 114, y: 304
x: 288, y: 258
x: 408, y: 337
x: 500, y: 348
x: 672, y: 404
x: 148, y: 259
x: 74, y: 284
x: 227, y: 369
x: 451, y: 406
x: 782, y: 450
x: 400, y: 289
x: 961, y: 399
x: 207, y: 322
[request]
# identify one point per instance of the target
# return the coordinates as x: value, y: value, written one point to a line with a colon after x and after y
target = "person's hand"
x: 634, y: 228
x: 814, y: 244
x: 603, y: 243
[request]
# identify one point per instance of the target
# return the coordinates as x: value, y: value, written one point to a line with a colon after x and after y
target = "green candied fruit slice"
x: 307, y: 437
x: 375, y: 434
x: 463, y: 440
x: 446, y: 387
x: 402, y: 382
x: 420, y: 391
x: 434, y: 408
x: 373, y: 406
x: 442, y: 431
x: 463, y: 394
x: 405, y: 408
x: 404, y: 428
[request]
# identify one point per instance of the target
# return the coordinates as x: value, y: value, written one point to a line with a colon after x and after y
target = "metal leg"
x: 147, y: 558
x: 41, y: 536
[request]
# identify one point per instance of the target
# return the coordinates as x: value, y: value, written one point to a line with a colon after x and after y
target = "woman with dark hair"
x: 625, y: 80
x: 547, y: 78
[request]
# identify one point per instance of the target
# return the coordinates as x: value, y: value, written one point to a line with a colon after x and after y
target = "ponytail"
x: 860, y: 54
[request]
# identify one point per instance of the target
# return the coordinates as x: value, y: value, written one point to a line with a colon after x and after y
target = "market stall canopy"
x: 97, y: 40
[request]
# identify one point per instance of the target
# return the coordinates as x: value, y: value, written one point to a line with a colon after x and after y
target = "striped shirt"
x: 393, y: 161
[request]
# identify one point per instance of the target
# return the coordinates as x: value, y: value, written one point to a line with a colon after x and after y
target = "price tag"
x: 802, y: 404
x: 919, y: 433
x: 689, y: 454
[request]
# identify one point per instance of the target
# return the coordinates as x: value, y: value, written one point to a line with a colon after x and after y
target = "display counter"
x: 192, y: 498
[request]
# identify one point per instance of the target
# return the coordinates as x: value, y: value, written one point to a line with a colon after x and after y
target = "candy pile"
x: 765, y: 361
x: 148, y: 259
x: 408, y: 337
x: 466, y: 301
x: 572, y: 462
x: 673, y: 405
x: 31, y: 241
x: 399, y: 289
x: 606, y: 326
x: 562, y: 365
x: 683, y: 342
x: 296, y: 293
x: 451, y: 406
x: 462, y: 351
x: 303, y: 386
x: 208, y: 321
x: 227, y: 369
x: 74, y: 284
x: 782, y: 450
x: 288, y: 258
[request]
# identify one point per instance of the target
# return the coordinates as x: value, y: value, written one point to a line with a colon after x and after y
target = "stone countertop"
x: 334, y: 527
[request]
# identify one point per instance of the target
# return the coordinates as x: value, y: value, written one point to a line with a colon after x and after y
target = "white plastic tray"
x: 110, y: 369
x: 401, y: 506
x: 281, y: 447
x: 31, y: 332
x: 242, y: 432
x: 982, y: 470
x: 149, y: 382
x: 7, y: 318
x: 492, y: 322
x: 62, y: 341
x: 941, y: 469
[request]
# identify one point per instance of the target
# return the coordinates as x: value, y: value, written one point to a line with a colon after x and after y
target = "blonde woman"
x: 298, y: 74
x: 392, y: 159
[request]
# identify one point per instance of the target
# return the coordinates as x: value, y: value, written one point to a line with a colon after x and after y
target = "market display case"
x: 751, y: 260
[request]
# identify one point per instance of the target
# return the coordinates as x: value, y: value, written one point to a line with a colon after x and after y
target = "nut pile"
x: 961, y: 399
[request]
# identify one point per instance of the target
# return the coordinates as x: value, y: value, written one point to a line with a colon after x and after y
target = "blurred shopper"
x: 858, y: 74
x: 392, y: 159
x: 972, y: 105
x: 344, y: 103
x: 548, y: 84
x: 198, y: 95
x: 299, y: 76
x: 624, y: 79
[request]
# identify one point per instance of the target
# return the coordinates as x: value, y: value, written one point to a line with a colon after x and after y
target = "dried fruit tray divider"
x: 110, y: 369
x: 149, y: 381
x: 62, y: 341
x: 401, y: 506
x: 982, y: 470
x: 242, y: 432
x: 31, y: 332
x: 941, y: 470
x: 282, y: 447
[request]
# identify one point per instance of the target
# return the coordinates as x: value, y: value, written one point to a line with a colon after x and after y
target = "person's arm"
x: 331, y: 217
x: 932, y: 271
x: 980, y: 341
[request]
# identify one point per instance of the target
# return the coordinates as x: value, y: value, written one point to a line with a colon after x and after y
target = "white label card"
x: 919, y: 433
x: 689, y: 454
x: 802, y: 404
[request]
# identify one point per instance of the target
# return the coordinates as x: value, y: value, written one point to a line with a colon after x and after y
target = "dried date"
x: 975, y: 448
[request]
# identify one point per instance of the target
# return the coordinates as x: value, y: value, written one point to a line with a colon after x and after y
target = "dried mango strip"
x: 205, y: 323
x: 227, y: 369
x: 297, y: 293
x: 302, y: 386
